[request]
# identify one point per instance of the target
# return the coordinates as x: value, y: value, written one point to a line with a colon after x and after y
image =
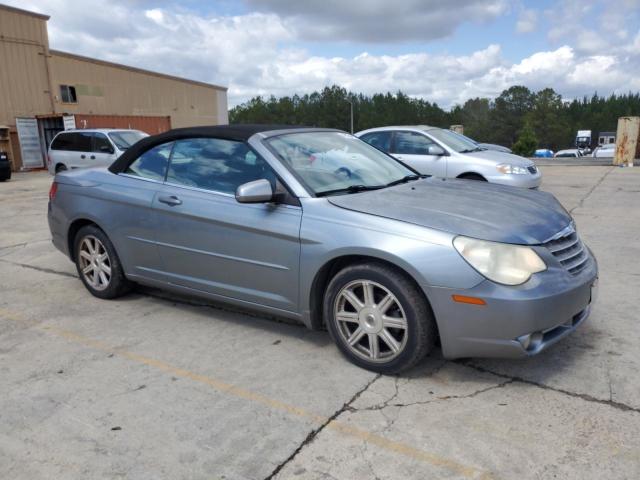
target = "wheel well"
x: 328, y: 271
x: 60, y: 166
x: 75, y: 226
x: 472, y: 176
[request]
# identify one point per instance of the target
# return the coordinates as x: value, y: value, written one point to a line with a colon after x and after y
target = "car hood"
x: 464, y: 207
x: 501, y: 157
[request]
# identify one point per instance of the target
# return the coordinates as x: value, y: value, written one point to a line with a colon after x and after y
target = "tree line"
x: 517, y: 117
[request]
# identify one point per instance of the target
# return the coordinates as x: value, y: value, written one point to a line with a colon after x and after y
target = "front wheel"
x: 98, y: 264
x: 379, y: 318
x: 472, y: 176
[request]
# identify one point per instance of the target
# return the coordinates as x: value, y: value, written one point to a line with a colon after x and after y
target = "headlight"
x: 500, y: 262
x: 512, y: 169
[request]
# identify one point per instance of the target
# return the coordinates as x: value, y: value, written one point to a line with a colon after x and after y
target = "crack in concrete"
x: 22, y: 244
x: 314, y: 433
x: 39, y: 269
x: 592, y: 189
x: 583, y: 396
x: 436, y: 399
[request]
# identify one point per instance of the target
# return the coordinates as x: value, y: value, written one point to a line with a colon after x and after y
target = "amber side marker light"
x: 470, y: 300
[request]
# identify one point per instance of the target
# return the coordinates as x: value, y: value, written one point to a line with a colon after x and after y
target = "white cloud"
x: 527, y: 21
x: 258, y: 54
x: 375, y: 21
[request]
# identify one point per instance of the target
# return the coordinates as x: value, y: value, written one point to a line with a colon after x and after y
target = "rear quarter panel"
x: 119, y: 205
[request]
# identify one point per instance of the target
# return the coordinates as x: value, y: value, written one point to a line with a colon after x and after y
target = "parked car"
x: 543, y: 153
x: 607, y: 150
x: 569, y: 153
x: 5, y: 167
x: 89, y: 148
x: 493, y: 146
x: 446, y: 154
x: 386, y: 259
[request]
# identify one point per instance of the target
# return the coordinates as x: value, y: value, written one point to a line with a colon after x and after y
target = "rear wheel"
x: 98, y: 264
x: 378, y: 318
x: 60, y: 168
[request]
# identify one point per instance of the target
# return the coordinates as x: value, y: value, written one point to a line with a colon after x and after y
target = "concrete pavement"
x: 156, y: 386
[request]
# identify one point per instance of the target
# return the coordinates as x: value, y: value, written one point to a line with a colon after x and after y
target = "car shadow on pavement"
x: 219, y: 311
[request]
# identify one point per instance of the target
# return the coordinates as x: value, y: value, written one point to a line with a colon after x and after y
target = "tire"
x: 472, y: 176
x: 376, y: 319
x: 109, y: 282
x: 60, y: 168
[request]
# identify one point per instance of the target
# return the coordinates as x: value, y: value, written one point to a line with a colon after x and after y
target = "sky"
x: 445, y: 51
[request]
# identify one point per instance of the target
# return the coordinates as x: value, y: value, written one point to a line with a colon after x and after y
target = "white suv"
x: 89, y: 148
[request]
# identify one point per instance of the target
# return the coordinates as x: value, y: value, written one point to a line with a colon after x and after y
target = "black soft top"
x: 240, y: 133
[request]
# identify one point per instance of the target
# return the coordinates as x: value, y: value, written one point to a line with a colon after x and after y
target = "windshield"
x: 126, y: 138
x: 336, y: 162
x: 454, y: 141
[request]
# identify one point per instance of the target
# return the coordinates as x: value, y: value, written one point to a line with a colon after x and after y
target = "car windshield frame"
x: 117, y: 141
x: 454, y: 141
x: 397, y: 170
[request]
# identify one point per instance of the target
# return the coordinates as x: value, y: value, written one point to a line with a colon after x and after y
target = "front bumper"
x: 531, y: 180
x: 516, y: 321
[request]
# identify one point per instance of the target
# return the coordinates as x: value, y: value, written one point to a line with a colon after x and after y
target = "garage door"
x: 29, y: 142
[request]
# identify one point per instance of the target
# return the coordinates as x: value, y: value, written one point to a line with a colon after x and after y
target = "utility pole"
x: 351, y: 110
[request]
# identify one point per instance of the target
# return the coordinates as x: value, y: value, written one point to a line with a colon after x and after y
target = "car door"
x: 133, y: 218
x: 210, y: 242
x: 77, y: 156
x: 412, y: 148
x: 380, y: 139
x: 102, y: 151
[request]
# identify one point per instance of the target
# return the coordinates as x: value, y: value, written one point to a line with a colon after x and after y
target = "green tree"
x: 508, y: 112
x: 553, y: 121
x: 549, y: 119
x: 527, y: 142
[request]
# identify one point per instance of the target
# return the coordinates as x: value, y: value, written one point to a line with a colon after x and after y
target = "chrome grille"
x: 532, y: 169
x: 570, y: 252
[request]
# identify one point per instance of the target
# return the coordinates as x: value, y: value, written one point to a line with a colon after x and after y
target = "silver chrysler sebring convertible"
x: 317, y: 225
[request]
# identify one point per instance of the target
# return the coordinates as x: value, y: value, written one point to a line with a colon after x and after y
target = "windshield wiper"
x: 469, y: 150
x: 350, y: 189
x: 405, y: 179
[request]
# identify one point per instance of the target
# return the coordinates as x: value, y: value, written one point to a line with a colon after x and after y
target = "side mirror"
x: 437, y: 150
x: 106, y: 149
x: 258, y: 191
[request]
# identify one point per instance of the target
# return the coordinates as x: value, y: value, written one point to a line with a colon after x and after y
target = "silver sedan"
x: 317, y: 225
x: 443, y: 153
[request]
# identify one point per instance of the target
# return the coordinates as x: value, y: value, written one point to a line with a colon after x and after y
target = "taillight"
x: 53, y: 190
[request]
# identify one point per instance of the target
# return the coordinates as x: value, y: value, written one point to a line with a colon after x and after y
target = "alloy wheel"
x: 95, y: 263
x: 371, y: 321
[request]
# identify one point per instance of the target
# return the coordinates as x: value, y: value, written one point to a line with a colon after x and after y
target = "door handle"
x: 83, y: 156
x: 92, y: 157
x: 172, y: 200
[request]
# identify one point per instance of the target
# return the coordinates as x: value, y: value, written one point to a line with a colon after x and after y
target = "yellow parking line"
x: 239, y: 392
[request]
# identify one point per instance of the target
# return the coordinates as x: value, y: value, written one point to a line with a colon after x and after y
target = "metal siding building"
x: 34, y: 81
